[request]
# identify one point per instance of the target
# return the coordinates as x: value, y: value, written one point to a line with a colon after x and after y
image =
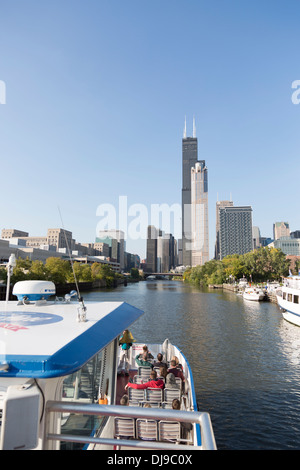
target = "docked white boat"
x: 58, y: 358
x: 272, y: 287
x: 288, y: 299
x: 253, y: 293
x: 242, y: 285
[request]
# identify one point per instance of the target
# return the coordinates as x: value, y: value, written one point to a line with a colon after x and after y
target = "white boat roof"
x: 46, y: 341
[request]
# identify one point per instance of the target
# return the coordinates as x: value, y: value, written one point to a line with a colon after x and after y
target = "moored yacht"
x: 253, y: 293
x: 288, y: 299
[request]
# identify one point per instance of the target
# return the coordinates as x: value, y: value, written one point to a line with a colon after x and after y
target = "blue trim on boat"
x: 292, y: 313
x: 75, y: 354
x: 198, y: 429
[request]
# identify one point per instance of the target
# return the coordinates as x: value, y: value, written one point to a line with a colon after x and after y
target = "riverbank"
x: 269, y: 296
x: 65, y: 288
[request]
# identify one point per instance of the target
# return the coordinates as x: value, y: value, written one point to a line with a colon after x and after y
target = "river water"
x: 244, y: 358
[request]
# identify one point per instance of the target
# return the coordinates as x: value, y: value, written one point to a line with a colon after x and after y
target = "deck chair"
x: 124, y: 427
x: 166, y: 405
x: 137, y: 379
x: 144, y: 372
x: 146, y: 429
x: 153, y: 404
x: 154, y: 395
x: 171, y: 393
x: 169, y: 431
x: 179, y: 382
x: 135, y: 396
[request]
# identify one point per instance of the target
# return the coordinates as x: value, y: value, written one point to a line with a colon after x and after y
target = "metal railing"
x: 201, y: 418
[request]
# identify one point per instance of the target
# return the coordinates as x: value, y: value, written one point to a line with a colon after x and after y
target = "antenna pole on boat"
x: 10, y: 268
x: 82, y: 314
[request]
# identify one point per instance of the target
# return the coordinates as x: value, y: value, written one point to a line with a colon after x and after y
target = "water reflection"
x: 243, y: 357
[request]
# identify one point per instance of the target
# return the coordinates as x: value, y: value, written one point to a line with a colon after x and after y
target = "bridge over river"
x: 163, y: 274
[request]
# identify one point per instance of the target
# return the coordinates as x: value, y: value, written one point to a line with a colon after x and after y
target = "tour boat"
x: 253, y: 293
x: 288, y: 299
x: 59, y: 387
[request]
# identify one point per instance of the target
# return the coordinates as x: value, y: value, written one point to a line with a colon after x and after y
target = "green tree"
x: 103, y: 271
x: 82, y: 272
x: 259, y: 265
x: 134, y: 273
x: 38, y: 271
x: 58, y: 270
x: 21, y: 270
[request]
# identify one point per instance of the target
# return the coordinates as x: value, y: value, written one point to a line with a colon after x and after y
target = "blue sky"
x: 97, y: 92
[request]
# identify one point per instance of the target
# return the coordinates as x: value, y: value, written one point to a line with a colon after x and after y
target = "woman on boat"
x: 125, y: 342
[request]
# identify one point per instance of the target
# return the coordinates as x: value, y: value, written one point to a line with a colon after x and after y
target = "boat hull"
x: 255, y: 295
x: 290, y: 312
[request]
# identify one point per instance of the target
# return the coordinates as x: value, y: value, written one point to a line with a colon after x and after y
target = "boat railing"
x: 200, y: 418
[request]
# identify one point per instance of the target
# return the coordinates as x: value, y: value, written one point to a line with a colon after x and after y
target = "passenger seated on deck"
x: 124, y: 400
x: 160, y: 361
x: 146, y: 350
x: 143, y: 361
x: 154, y: 382
x: 171, y: 382
x: 175, y: 358
x: 185, y: 427
x: 163, y: 372
x: 176, y: 371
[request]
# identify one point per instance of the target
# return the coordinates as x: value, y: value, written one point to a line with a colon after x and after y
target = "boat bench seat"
x: 148, y: 429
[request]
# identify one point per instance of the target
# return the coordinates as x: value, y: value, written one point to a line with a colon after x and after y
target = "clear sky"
x: 96, y: 96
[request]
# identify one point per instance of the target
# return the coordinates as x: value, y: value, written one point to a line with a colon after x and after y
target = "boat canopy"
x: 46, y: 340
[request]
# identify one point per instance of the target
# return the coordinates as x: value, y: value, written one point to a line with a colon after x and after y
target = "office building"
x: 101, y: 249
x: 219, y: 204
x: 179, y: 256
x: 60, y: 238
x: 165, y: 252
x: 161, y: 251
x: 256, y: 237
x: 117, y: 251
x: 281, y: 229
x: 152, y: 234
x: 13, y: 233
x: 235, y: 230
x: 288, y: 245
x: 199, y: 214
x: 295, y: 234
x: 189, y: 159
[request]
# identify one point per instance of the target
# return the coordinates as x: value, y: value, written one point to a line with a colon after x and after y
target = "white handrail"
x: 201, y: 418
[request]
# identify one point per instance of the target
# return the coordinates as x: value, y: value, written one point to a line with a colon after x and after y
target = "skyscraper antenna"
x: 194, y: 127
x: 184, y: 131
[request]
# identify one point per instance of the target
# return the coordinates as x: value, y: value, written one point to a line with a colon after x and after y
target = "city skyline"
x: 97, y: 110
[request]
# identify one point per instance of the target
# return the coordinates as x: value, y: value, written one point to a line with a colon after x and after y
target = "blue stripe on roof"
x: 75, y: 354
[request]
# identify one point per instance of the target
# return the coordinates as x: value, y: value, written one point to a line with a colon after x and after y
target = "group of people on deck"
x: 167, y: 374
x: 165, y: 379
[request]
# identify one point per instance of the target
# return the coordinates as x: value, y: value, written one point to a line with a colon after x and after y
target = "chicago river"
x: 243, y: 355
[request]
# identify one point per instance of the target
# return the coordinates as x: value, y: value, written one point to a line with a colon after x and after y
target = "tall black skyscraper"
x: 189, y: 158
